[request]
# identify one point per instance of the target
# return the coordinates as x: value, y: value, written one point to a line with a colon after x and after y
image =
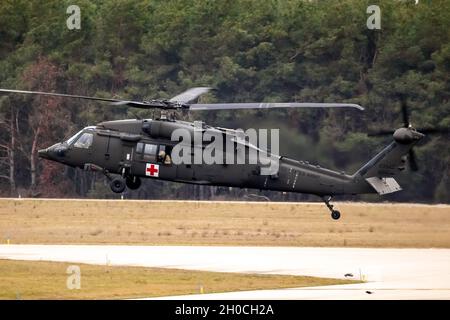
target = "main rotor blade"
x: 58, y: 95
x: 179, y: 102
x: 269, y: 105
x: 155, y: 104
x: 142, y: 105
x: 190, y: 95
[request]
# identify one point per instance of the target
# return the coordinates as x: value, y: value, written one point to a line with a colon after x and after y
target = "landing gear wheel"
x: 117, y: 185
x: 335, y: 214
x: 133, y: 183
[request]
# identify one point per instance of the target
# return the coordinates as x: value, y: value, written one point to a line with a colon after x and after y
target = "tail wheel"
x: 335, y: 214
x: 133, y: 182
x: 117, y: 185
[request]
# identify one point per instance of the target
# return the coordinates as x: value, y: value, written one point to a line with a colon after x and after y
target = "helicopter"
x: 127, y: 151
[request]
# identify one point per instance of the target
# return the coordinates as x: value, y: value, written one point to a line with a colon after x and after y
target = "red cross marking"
x: 151, y: 169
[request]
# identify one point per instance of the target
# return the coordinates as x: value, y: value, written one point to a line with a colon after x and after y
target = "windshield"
x: 84, y: 141
x: 74, y: 137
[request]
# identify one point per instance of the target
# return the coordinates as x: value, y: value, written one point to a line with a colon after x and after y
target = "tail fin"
x: 381, y: 169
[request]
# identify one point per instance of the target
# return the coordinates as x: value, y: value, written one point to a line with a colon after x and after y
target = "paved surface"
x: 390, y: 273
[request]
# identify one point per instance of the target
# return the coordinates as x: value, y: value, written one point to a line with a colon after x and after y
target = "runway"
x: 389, y: 273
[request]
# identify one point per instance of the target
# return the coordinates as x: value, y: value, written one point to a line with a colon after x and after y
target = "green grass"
x: 47, y: 280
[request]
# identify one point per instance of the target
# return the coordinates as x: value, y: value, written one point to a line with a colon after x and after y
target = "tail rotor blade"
x: 434, y: 130
x: 380, y: 133
x: 412, y: 160
x: 405, y: 114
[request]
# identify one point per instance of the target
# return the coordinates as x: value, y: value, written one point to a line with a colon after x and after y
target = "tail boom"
x: 380, y: 171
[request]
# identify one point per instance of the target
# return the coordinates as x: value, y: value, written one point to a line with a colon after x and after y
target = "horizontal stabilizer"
x: 384, y: 185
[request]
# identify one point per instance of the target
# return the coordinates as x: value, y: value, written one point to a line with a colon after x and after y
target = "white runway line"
x: 390, y: 273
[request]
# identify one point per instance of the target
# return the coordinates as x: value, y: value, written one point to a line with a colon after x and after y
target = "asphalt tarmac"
x: 388, y: 273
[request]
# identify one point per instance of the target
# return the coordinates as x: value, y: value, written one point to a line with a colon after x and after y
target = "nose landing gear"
x: 117, y: 185
x: 335, y: 214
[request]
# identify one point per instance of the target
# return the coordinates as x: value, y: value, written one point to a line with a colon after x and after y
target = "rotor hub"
x: 407, y: 135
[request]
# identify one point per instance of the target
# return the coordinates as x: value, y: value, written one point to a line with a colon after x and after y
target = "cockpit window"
x: 73, y: 138
x: 85, y: 141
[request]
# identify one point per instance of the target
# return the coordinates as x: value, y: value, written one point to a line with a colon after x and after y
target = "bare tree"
x: 45, y: 119
x: 8, y: 145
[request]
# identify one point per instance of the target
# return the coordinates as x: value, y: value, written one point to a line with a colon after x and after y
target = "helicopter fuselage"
x: 138, y: 149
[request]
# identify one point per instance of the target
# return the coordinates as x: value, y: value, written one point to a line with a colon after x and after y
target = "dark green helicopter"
x: 137, y: 148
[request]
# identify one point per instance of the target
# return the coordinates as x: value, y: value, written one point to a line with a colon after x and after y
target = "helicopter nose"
x: 43, y: 153
x: 56, y: 152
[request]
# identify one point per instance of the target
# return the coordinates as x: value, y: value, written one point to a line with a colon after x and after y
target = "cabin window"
x: 146, y: 151
x: 150, y: 149
x: 146, y: 148
x: 84, y: 141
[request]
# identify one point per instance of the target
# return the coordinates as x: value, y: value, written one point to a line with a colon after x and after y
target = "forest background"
x: 289, y: 50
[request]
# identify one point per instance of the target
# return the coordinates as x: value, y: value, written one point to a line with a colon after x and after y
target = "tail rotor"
x: 412, y: 159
